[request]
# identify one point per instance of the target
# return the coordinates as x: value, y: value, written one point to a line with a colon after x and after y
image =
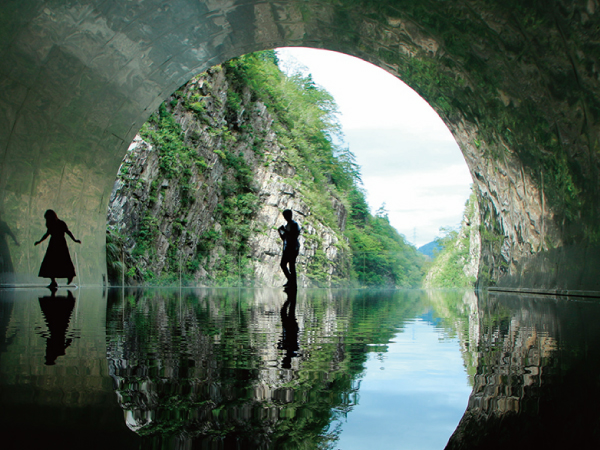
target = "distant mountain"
x: 429, y: 248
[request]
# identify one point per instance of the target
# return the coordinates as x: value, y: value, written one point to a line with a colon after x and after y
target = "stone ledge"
x: 556, y: 292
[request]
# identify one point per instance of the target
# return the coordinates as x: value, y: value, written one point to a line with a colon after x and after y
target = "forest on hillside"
x: 303, y: 119
x: 456, y: 262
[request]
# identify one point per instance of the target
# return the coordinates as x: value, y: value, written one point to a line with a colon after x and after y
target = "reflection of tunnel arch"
x: 516, y: 84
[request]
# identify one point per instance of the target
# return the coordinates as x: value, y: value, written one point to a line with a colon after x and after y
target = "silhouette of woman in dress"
x: 57, y: 262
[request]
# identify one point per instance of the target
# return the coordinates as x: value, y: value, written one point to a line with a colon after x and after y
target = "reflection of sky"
x: 412, y: 396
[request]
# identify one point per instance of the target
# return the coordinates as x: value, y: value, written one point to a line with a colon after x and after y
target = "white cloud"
x: 409, y: 159
x: 424, y: 200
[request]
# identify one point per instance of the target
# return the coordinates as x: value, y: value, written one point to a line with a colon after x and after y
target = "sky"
x: 409, y: 159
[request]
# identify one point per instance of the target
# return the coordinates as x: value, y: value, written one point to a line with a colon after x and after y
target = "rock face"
x: 472, y: 223
x: 516, y: 221
x: 171, y: 210
x: 277, y: 195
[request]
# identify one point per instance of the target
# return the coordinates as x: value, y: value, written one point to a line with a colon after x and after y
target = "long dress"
x: 57, y: 262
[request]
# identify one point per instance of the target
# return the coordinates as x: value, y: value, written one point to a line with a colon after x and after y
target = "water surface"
x: 243, y: 368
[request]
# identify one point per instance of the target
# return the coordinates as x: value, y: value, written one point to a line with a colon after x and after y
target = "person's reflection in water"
x: 6, y: 265
x: 57, y: 262
x: 57, y: 311
x: 289, y: 337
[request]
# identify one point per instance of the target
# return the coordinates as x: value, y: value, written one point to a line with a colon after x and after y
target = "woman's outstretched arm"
x: 43, y: 238
x: 73, y: 237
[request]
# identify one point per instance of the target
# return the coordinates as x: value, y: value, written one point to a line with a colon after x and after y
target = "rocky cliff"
x: 200, y: 192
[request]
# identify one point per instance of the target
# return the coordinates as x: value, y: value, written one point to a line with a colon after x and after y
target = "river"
x: 265, y: 369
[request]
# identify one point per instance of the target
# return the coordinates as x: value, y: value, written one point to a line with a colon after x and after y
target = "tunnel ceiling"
x: 515, y: 81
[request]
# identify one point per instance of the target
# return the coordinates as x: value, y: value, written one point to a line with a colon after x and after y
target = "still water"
x: 265, y: 369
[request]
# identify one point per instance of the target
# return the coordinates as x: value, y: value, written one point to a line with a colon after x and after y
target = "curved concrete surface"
x: 517, y: 84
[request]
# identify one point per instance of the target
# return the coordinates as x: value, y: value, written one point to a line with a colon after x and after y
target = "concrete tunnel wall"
x: 516, y: 82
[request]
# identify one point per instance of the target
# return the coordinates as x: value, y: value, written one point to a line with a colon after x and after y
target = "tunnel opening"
x: 199, y: 194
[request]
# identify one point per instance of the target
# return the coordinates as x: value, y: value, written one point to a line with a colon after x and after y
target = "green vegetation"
x: 370, y: 251
x: 305, y: 123
x: 381, y: 256
x: 448, y: 267
x: 306, y: 126
x: 114, y: 256
x: 176, y: 158
x: 201, y: 371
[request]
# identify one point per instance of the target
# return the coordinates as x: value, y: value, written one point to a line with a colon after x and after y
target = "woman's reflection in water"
x: 289, y: 337
x: 57, y: 310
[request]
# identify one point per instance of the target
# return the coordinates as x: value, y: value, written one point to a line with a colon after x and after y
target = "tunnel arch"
x: 515, y: 82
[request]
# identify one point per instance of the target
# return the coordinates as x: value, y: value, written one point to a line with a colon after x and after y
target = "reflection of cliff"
x: 461, y: 319
x: 219, y: 365
x: 207, y: 367
x: 537, y: 375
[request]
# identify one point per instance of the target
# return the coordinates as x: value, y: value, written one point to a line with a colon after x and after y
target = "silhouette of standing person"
x: 57, y: 262
x: 291, y: 246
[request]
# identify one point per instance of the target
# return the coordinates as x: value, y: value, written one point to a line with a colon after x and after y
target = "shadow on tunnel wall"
x: 538, y: 377
x: 6, y: 265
